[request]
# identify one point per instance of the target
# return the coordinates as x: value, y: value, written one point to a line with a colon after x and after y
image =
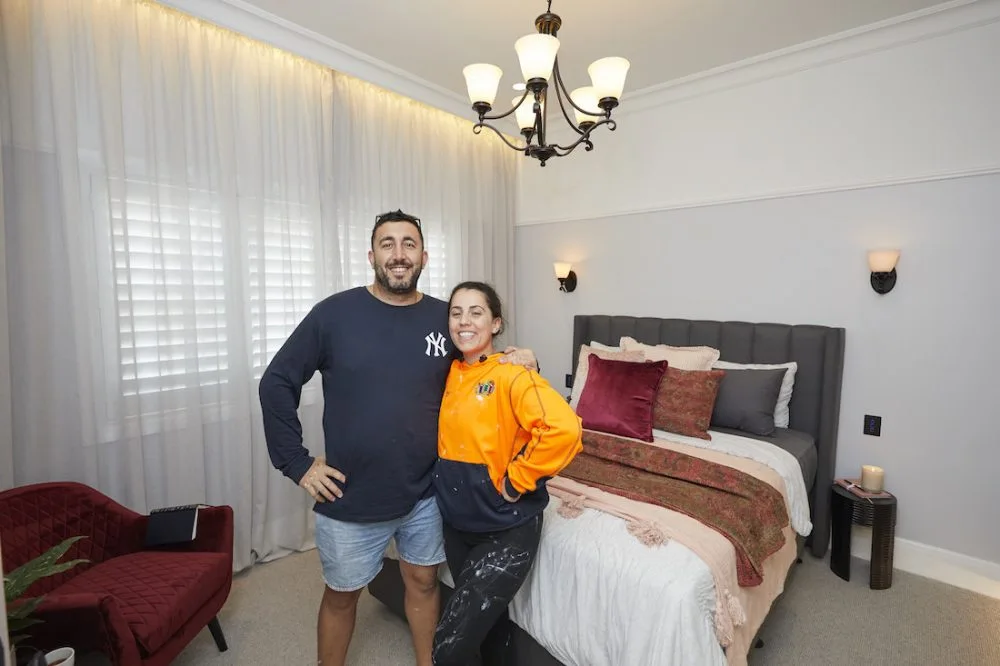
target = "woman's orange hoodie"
x: 500, y: 424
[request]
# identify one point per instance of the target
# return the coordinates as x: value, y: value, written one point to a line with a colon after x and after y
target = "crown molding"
x: 258, y: 24
x: 928, y: 23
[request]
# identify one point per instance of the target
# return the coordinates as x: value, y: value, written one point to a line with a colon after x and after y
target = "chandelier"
x: 591, y: 105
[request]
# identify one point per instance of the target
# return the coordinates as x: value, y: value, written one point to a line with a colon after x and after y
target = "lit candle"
x: 872, y: 478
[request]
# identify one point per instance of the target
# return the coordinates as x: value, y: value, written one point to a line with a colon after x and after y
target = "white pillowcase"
x: 784, y: 393
x: 597, y: 345
x: 680, y: 358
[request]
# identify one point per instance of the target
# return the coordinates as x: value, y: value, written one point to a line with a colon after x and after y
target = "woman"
x: 502, y: 431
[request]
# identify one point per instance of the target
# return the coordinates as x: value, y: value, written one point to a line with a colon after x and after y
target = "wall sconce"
x: 565, y: 275
x: 882, y: 264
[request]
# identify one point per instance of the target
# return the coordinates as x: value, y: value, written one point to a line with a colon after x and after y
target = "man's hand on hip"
x: 318, y: 481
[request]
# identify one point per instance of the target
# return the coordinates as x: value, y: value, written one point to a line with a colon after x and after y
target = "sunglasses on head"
x: 397, y: 216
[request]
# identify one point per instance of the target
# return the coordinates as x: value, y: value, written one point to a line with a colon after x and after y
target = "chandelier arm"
x: 478, y: 128
x: 585, y: 136
x: 562, y: 107
x: 559, y: 84
x: 560, y: 151
x: 504, y: 115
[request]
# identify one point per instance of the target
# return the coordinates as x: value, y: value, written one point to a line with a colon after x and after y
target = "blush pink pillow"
x: 618, y: 397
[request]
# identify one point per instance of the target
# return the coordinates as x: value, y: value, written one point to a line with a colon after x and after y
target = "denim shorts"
x: 351, y: 553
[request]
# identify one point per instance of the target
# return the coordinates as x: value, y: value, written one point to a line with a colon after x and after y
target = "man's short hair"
x: 397, y: 216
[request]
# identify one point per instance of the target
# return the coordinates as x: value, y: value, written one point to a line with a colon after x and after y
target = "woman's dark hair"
x: 492, y: 300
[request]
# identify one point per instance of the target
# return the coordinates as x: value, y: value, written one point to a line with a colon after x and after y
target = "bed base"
x: 388, y: 589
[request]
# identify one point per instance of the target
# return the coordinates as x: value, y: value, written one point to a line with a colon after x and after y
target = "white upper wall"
x: 874, y: 108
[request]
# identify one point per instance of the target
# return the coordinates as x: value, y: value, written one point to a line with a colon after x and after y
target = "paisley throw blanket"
x: 750, y: 513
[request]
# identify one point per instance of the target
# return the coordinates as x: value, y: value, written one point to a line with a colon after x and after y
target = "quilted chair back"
x: 36, y: 517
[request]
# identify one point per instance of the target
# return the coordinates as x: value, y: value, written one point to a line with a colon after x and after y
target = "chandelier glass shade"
x: 591, y: 106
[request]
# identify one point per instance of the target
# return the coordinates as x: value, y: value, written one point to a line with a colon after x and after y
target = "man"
x: 383, y: 351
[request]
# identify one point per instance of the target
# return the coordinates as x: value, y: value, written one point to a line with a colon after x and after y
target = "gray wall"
x: 922, y: 356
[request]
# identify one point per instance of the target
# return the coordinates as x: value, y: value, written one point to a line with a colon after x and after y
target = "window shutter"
x: 168, y: 253
x: 170, y: 276
x: 283, y: 281
x: 434, y: 280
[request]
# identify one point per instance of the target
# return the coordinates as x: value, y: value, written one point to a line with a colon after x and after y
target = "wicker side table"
x: 880, y: 514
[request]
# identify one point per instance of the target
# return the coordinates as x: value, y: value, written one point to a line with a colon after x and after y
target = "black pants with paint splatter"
x: 488, y: 568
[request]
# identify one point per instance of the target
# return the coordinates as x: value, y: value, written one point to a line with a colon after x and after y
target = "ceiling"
x: 663, y: 39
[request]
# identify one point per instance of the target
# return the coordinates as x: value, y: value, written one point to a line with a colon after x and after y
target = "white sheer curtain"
x: 6, y: 427
x: 165, y: 183
x: 393, y: 152
x: 175, y: 198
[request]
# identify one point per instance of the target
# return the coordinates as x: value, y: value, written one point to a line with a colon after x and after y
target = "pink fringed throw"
x: 728, y: 610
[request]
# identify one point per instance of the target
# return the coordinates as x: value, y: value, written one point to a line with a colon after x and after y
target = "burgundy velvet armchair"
x: 139, y: 607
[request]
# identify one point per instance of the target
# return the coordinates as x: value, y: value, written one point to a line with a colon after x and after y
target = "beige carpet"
x: 271, y: 614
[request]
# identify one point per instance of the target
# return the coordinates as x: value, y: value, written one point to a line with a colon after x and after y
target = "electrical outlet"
x: 873, y: 425
x: 569, y: 381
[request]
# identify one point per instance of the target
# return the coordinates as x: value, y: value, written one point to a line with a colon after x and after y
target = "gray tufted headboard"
x: 815, y: 404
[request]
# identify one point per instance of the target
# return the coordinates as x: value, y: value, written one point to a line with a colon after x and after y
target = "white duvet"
x: 596, y: 596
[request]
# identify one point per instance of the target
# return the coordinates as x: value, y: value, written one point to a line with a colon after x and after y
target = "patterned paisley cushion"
x: 684, y: 401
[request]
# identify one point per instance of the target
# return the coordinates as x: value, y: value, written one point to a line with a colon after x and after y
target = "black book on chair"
x: 172, y: 524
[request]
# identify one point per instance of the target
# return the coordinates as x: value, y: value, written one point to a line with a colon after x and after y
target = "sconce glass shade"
x: 562, y: 269
x: 608, y: 76
x: 586, y: 98
x: 482, y: 81
x: 882, y: 261
x: 537, y: 54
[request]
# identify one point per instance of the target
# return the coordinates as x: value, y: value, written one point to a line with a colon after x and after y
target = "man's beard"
x: 394, y: 285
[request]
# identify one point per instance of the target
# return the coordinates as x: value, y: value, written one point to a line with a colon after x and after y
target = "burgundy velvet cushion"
x: 618, y: 397
x: 157, y: 592
x: 685, y: 400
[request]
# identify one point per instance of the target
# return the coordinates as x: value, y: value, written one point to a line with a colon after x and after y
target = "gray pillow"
x: 746, y: 400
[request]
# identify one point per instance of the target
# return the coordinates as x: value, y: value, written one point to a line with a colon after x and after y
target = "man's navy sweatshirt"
x: 384, y: 369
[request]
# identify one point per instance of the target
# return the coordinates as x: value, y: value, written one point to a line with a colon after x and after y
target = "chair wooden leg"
x: 216, y: 629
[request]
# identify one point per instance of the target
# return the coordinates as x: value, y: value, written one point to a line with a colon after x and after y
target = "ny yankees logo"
x: 435, y: 341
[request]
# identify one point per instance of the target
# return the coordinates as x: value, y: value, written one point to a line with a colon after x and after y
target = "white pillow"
x: 597, y: 345
x: 680, y: 358
x: 784, y: 393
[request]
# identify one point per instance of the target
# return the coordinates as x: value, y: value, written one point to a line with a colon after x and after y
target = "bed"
x: 598, y: 594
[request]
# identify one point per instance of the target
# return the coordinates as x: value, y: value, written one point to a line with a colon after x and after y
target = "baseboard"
x: 938, y: 564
